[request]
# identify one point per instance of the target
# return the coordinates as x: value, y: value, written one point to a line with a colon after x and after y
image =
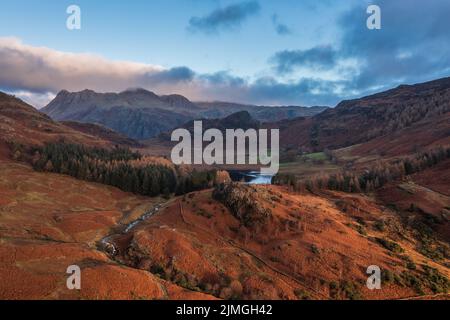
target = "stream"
x: 107, y: 244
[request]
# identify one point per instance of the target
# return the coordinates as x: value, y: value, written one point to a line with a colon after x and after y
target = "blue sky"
x: 267, y: 52
x: 157, y: 32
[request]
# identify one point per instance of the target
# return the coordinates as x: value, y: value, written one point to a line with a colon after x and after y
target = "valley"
x: 365, y: 183
x: 224, y: 159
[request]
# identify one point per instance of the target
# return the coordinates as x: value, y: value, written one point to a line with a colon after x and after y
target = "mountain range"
x: 141, y: 114
x: 398, y: 121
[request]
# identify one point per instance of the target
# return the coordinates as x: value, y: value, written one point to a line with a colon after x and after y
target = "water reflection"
x: 250, y: 177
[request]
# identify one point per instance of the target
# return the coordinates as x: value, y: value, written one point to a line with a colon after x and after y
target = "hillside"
x: 259, y: 242
x: 50, y: 221
x: 218, y: 109
x: 431, y: 131
x: 416, y: 109
x: 141, y: 114
x: 22, y: 124
x: 102, y: 133
x: 239, y: 120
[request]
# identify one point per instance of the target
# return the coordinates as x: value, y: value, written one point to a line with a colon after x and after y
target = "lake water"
x: 250, y: 177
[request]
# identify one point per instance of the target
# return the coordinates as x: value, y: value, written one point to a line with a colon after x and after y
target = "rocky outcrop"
x: 243, y: 202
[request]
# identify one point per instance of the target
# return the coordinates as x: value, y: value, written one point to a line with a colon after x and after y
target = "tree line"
x: 367, y: 179
x: 119, y: 167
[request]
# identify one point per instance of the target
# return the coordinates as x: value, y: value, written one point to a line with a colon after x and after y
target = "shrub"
x: 387, y: 276
x: 301, y: 294
x: 438, y: 283
x: 158, y: 270
x: 334, y: 289
x: 315, y: 249
x: 350, y: 290
x: 437, y: 253
x: 345, y: 289
x: 361, y: 230
x: 390, y: 245
x: 379, y: 226
x: 411, y: 265
x: 203, y: 213
x: 411, y: 280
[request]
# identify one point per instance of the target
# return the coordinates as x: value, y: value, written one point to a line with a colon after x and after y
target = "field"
x: 309, y: 165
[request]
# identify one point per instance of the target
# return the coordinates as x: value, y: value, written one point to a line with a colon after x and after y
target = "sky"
x: 284, y: 52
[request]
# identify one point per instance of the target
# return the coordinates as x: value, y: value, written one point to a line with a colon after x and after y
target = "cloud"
x: 37, y: 100
x: 320, y: 57
x: 305, y: 91
x: 36, y: 74
x: 412, y: 46
x: 41, y: 69
x: 280, y: 28
x: 222, y: 78
x: 170, y: 76
x: 227, y: 18
x: 268, y: 90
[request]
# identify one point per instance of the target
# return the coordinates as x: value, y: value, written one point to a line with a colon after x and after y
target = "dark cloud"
x: 170, y: 76
x: 225, y: 18
x: 280, y: 28
x: 320, y: 57
x: 270, y: 90
x: 413, y: 44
